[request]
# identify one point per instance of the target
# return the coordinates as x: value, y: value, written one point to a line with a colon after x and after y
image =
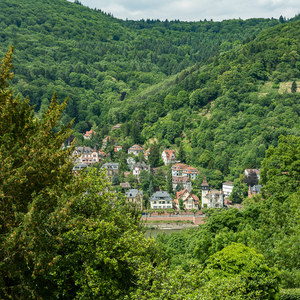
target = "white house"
x: 190, y: 201
x: 161, y: 200
x: 138, y: 168
x: 227, y: 188
x: 168, y: 157
x: 135, y: 150
x: 211, y: 198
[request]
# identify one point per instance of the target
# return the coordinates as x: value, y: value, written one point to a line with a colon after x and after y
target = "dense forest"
x: 65, y: 236
x: 224, y: 94
x: 226, y: 113
x: 217, y: 86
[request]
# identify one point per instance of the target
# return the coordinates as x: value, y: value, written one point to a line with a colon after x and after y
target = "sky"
x: 196, y: 10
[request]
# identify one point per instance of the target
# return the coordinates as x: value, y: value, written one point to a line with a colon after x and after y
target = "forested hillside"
x: 226, y: 113
x: 224, y: 94
x: 95, y: 59
x: 69, y: 237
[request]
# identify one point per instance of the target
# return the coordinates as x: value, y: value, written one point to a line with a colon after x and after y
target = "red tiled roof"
x: 89, y: 133
x: 169, y: 153
x: 182, y: 192
x: 179, y: 166
x: 136, y: 147
x: 190, y: 170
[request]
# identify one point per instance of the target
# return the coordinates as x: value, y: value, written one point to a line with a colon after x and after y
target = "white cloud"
x: 195, y: 10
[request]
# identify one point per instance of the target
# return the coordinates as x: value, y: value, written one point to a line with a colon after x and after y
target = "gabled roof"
x: 132, y: 193
x: 169, y: 154
x: 182, y: 192
x: 135, y: 148
x: 179, y: 167
x: 190, y: 170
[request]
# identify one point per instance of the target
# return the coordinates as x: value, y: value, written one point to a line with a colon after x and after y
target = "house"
x: 161, y: 200
x: 191, y: 172
x: 118, y: 126
x: 135, y: 150
x: 211, y: 198
x: 83, y: 154
x: 252, y: 176
x: 183, y: 181
x: 254, y: 190
x: 190, y: 201
x: 90, y: 158
x: 117, y: 148
x: 146, y: 154
x: 135, y: 196
x: 177, y: 169
x: 168, y: 157
x: 138, y: 168
x: 130, y: 162
x: 81, y: 150
x: 227, y: 188
x: 111, y: 169
x: 180, y: 169
x: 108, y: 139
x: 89, y: 134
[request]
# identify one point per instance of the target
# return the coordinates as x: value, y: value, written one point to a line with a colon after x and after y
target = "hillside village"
x: 155, y: 179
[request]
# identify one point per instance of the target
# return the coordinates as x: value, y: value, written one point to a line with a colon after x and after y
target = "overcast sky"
x: 195, y: 10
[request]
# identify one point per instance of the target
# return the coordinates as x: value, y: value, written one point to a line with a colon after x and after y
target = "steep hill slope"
x: 96, y: 59
x: 228, y: 112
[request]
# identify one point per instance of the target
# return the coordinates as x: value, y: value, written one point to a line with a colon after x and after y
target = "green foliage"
x: 289, y: 294
x: 281, y: 168
x: 294, y: 87
x: 239, y: 191
x: 243, y: 265
x: 61, y: 236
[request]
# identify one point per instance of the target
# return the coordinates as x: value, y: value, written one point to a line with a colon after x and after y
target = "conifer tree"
x: 294, y: 87
x: 61, y: 236
x: 35, y: 170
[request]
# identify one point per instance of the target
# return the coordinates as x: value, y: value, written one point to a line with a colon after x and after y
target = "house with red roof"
x: 168, y: 157
x: 190, y: 201
x: 191, y: 172
x: 117, y: 148
x: 88, y: 134
x: 181, y: 169
x: 135, y: 150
